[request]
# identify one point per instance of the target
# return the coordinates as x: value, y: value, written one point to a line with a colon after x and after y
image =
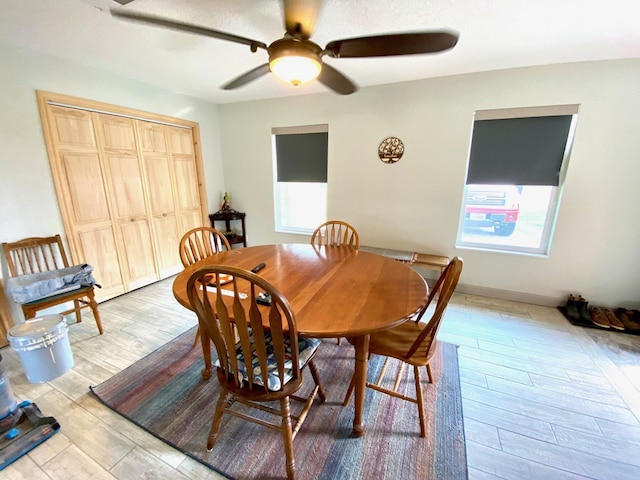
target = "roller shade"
x: 302, y: 157
x: 518, y: 151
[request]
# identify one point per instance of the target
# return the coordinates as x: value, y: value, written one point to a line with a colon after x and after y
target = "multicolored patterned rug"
x: 164, y: 394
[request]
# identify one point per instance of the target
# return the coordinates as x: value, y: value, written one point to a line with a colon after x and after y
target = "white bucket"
x: 43, y: 347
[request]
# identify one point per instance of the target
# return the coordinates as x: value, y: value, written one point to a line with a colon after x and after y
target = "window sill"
x: 489, y: 249
x: 295, y: 231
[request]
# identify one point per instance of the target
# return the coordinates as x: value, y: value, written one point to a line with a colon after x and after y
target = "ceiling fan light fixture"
x: 295, y: 69
x: 295, y: 62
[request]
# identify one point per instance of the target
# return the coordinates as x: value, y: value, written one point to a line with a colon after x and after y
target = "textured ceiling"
x: 494, y: 34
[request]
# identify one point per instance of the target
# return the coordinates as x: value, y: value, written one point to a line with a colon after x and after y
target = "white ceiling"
x: 494, y: 34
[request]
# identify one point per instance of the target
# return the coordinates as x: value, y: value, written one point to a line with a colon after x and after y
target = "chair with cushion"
x: 267, y: 336
x: 336, y: 233
x: 201, y: 242
x: 414, y: 342
x: 36, y: 255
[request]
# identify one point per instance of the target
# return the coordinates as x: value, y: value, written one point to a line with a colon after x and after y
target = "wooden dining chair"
x: 44, y: 254
x: 414, y: 342
x: 336, y: 233
x: 266, y: 364
x: 201, y: 242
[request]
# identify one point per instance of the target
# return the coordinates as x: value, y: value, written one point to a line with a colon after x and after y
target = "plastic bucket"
x: 43, y: 347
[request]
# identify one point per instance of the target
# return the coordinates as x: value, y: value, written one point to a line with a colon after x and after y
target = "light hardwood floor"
x: 542, y: 399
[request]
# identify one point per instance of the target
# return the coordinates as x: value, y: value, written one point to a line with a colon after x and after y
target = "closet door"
x: 162, y: 196
x: 125, y: 181
x: 129, y: 184
x: 186, y: 178
x: 81, y: 188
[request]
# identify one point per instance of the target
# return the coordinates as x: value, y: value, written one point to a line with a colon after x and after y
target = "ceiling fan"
x: 296, y: 59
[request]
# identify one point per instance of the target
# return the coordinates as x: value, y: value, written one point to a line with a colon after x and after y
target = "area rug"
x: 164, y: 394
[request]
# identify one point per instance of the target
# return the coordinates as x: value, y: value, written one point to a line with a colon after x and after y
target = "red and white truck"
x: 494, y: 206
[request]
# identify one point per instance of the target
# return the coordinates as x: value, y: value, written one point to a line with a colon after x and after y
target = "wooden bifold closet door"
x: 128, y: 188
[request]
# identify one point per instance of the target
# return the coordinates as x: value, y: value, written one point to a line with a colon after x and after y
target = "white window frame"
x: 556, y: 196
x: 280, y: 226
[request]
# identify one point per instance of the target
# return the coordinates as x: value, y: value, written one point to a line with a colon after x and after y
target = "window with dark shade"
x: 517, y: 162
x: 300, y: 162
x: 302, y: 157
x: 518, y: 151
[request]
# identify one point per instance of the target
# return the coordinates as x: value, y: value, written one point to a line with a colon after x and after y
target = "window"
x: 517, y: 164
x: 300, y: 177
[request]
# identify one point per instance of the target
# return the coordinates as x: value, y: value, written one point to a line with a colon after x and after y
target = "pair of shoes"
x: 614, y: 321
x: 583, y: 310
x: 599, y: 318
x: 571, y: 308
x: 630, y: 319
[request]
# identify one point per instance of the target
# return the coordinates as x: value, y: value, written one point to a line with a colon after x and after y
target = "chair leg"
x: 316, y: 378
x: 221, y: 404
x: 339, y: 340
x: 195, y: 340
x: 423, y: 427
x: 94, y: 309
x: 76, y: 307
x: 399, y: 376
x: 287, y: 436
x: 352, y: 386
x: 429, y: 373
x: 347, y: 396
x: 383, y: 371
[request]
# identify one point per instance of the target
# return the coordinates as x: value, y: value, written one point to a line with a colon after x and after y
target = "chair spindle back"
x: 336, y: 233
x: 444, y: 288
x: 201, y: 242
x: 35, y: 254
x: 219, y: 313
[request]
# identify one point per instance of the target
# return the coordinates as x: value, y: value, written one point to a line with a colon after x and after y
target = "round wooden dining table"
x: 333, y: 292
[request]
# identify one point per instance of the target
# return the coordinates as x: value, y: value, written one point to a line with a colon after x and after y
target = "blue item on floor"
x: 22, y: 426
x: 23, y: 430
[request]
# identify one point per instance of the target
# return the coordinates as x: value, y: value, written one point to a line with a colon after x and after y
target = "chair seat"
x: 396, y: 342
x: 58, y: 297
x: 306, y: 349
x: 41, y: 277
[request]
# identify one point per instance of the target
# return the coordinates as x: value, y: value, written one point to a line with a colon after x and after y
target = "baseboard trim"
x: 498, y: 293
x: 531, y: 298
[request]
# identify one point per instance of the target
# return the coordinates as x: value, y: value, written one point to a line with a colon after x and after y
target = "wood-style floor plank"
x: 567, y: 458
x: 542, y: 399
x: 581, y: 386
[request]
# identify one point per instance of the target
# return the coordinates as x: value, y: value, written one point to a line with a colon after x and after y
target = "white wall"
x: 28, y: 204
x: 415, y: 203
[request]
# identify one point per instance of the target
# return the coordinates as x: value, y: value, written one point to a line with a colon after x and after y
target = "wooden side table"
x: 228, y: 216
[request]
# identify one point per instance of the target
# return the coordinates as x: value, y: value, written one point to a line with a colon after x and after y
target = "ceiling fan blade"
x: 336, y: 81
x: 123, y: 2
x: 392, y: 44
x: 247, y: 77
x: 186, y: 27
x: 300, y: 17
